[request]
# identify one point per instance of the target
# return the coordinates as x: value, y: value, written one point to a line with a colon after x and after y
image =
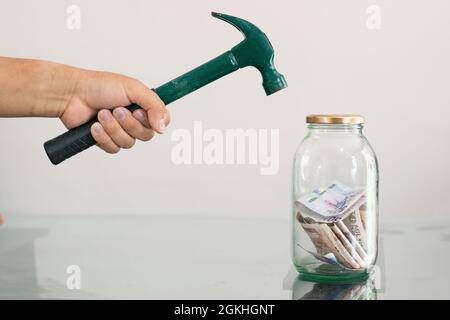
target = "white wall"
x: 398, y: 77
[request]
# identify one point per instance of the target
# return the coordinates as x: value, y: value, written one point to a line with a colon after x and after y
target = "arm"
x: 33, y: 88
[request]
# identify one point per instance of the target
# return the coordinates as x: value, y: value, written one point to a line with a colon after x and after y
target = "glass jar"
x: 335, y: 201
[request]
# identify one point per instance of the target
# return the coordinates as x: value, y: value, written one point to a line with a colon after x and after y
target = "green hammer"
x: 255, y: 50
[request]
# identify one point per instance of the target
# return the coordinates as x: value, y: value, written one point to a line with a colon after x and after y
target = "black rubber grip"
x: 73, y: 141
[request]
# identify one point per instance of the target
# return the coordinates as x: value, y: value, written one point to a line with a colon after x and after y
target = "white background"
x: 397, y: 77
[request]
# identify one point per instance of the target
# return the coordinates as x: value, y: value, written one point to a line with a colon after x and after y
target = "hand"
x: 46, y: 89
x: 120, y: 128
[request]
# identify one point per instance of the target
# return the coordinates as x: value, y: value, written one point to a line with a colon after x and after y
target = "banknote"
x: 329, y: 248
x: 349, y: 245
x: 363, y: 214
x: 355, y: 225
x: 330, y: 204
x: 334, y: 243
x: 342, y: 254
x: 327, y: 257
x: 323, y: 247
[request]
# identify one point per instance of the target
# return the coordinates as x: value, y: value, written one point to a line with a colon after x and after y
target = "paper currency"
x: 329, y: 248
x: 363, y: 214
x: 344, y: 238
x: 335, y: 220
x: 330, y: 204
x: 356, y: 228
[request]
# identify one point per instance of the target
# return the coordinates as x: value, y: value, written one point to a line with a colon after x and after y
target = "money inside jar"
x: 334, y: 218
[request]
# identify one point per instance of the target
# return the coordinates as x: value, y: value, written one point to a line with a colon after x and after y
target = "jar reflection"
x: 305, y: 290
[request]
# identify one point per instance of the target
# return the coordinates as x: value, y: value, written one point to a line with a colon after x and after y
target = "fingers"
x: 141, y: 116
x: 158, y: 116
x: 103, y: 140
x: 112, y: 127
x: 132, y: 126
x: 120, y: 129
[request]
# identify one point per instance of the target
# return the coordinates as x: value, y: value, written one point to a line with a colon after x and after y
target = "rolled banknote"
x: 334, y: 243
x: 363, y: 214
x: 329, y: 248
x: 342, y: 255
x: 349, y: 246
x: 356, y: 228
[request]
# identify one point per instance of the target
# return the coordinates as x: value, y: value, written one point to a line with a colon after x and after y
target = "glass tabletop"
x: 189, y: 257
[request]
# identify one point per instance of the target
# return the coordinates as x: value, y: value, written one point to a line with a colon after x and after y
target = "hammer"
x: 255, y: 50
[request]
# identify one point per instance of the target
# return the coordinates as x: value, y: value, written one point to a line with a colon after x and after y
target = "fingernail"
x: 162, y: 125
x: 139, y: 115
x: 120, y: 114
x: 104, y: 115
x: 98, y: 128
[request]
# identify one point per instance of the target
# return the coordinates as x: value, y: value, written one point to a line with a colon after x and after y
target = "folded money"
x: 331, y: 204
x: 334, y: 219
x: 354, y: 225
x: 335, y: 243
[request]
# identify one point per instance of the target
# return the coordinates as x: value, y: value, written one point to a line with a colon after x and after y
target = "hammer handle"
x: 79, y: 139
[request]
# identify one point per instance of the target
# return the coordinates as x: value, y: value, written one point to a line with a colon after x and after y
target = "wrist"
x: 58, y: 87
x: 34, y: 88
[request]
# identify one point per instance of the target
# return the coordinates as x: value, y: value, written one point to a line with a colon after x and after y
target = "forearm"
x: 34, y: 88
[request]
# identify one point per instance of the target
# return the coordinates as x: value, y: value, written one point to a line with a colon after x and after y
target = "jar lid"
x: 335, y: 119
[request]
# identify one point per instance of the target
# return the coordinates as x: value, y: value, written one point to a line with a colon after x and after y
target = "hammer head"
x: 255, y: 50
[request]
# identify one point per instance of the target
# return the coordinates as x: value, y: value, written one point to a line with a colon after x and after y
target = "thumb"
x: 148, y: 100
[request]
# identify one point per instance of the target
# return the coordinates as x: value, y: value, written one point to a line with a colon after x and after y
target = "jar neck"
x: 317, y: 128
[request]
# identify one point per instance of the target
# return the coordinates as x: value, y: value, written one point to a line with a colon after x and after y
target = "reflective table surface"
x: 179, y: 257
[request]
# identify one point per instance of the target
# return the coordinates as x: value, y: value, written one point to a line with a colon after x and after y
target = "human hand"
x: 120, y: 128
x: 40, y: 88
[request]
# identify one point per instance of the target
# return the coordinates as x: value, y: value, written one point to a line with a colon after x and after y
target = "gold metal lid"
x: 335, y: 119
